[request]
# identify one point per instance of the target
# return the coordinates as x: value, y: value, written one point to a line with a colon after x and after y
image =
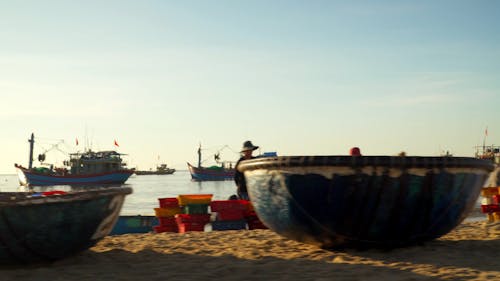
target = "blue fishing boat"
x: 86, y: 168
x: 364, y: 201
x: 223, y: 171
x: 36, y: 177
x: 47, y: 226
x: 213, y: 173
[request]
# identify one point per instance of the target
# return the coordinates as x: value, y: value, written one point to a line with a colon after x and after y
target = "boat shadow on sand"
x: 435, y: 260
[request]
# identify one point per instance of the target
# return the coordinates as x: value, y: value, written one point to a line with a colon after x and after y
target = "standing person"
x: 239, y: 179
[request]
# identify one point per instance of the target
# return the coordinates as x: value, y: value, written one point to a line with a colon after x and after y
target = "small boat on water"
x: 47, y: 226
x: 160, y: 170
x: 85, y: 168
x: 212, y: 173
x: 490, y: 152
x: 223, y: 171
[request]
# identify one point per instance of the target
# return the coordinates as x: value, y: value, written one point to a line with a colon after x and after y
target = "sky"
x: 294, y: 77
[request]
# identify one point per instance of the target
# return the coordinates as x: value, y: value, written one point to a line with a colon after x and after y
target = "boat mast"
x: 199, y: 156
x: 484, y: 139
x: 32, y: 142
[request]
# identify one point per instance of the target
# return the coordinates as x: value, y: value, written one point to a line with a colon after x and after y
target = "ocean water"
x: 148, y: 188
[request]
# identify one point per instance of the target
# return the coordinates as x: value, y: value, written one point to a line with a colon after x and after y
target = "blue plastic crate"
x: 229, y: 225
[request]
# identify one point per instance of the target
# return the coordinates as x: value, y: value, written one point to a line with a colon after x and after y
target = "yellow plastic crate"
x: 489, y: 217
x: 186, y: 199
x: 489, y: 191
x: 496, y: 216
x: 167, y: 212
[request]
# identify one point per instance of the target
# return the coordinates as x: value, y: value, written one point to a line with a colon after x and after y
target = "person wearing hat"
x: 239, y: 179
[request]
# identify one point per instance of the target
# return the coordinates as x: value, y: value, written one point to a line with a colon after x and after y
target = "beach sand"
x: 470, y: 252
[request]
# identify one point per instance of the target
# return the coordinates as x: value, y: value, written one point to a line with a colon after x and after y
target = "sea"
x: 147, y: 189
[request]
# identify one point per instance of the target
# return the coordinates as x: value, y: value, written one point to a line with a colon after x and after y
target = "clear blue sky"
x: 296, y: 77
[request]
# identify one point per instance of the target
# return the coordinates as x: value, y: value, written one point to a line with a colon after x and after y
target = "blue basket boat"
x: 374, y: 201
x: 38, y: 228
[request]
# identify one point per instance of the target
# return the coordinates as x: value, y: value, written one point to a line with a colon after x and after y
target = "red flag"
x: 116, y: 143
x: 76, y: 140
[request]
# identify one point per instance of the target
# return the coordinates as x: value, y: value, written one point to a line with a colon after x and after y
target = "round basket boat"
x: 43, y: 227
x: 375, y: 201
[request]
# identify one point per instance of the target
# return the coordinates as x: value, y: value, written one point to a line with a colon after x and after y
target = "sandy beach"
x: 470, y: 252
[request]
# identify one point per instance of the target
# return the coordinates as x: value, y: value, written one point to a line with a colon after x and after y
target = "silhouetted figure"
x: 239, y: 179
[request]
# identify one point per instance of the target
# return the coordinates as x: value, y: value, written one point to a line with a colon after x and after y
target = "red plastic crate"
x: 168, y: 211
x: 256, y: 225
x: 192, y: 218
x: 249, y: 213
x: 163, y: 228
x: 185, y: 227
x: 230, y: 215
x: 171, y: 202
x: 167, y: 221
x: 221, y: 205
x: 490, y: 208
x: 252, y: 218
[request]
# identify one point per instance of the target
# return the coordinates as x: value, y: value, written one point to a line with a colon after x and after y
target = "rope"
x: 217, y: 150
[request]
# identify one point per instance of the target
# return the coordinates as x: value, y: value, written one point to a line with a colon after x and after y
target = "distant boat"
x: 490, y: 152
x: 160, y: 170
x: 225, y: 170
x: 213, y: 173
x: 86, y: 168
x: 48, y: 226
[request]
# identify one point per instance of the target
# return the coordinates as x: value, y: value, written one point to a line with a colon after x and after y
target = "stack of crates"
x: 230, y: 214
x: 169, y: 208
x: 490, y: 204
x: 195, y: 214
x: 252, y: 219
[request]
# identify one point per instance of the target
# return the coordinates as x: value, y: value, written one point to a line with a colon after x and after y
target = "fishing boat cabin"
x: 92, y: 162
